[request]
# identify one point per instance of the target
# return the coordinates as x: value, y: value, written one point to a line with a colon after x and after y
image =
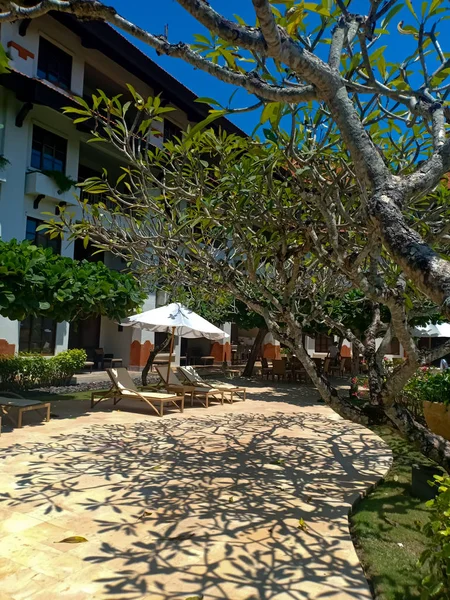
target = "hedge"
x: 24, y: 371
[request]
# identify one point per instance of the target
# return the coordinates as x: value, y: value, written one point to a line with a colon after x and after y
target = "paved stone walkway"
x: 242, y: 502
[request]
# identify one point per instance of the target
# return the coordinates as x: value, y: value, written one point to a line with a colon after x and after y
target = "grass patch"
x: 387, y: 518
x: 46, y: 397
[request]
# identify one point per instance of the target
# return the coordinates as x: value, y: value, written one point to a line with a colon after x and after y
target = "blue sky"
x: 154, y: 15
x: 182, y: 27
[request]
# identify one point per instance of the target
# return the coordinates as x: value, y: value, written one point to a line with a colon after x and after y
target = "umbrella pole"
x: 170, y: 353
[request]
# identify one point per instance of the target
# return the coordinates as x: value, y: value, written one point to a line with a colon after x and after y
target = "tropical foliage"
x: 436, y: 557
x: 35, y: 281
x: 25, y: 371
x: 430, y: 385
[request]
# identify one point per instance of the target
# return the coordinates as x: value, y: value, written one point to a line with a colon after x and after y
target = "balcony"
x: 39, y: 185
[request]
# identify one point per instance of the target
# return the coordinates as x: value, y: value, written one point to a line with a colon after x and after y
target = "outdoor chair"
x: 102, y: 359
x: 344, y: 366
x: 265, y: 368
x: 11, y: 402
x: 279, y: 369
x: 299, y: 372
x: 330, y: 368
x: 98, y: 358
x: 124, y: 387
x: 192, y: 376
x: 111, y: 361
x: 196, y: 392
x: 335, y: 366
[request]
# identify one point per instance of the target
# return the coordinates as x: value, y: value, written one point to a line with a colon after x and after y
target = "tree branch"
x: 268, y: 26
x: 245, y: 37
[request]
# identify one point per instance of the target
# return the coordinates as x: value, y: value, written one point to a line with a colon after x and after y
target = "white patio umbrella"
x: 178, y: 320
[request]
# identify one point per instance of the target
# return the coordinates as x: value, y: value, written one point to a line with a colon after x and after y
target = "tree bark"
x: 257, y: 343
x: 431, y: 445
x: 151, y: 357
x: 355, y: 361
x: 429, y: 271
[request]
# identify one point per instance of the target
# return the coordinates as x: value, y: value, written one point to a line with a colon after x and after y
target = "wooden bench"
x: 16, y: 402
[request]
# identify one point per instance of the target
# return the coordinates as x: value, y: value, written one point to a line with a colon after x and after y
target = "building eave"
x: 101, y: 36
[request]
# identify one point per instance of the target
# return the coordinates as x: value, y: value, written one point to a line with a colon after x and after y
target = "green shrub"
x: 436, y: 557
x: 65, y: 364
x: 433, y: 386
x: 25, y: 371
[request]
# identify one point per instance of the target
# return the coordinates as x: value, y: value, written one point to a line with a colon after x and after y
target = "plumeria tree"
x: 327, y: 62
x: 351, y: 195
x: 222, y: 212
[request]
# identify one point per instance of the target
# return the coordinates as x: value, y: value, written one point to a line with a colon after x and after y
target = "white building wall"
x: 15, y: 144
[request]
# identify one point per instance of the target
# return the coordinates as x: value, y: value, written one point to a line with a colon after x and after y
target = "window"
x: 393, y: 347
x: 322, y: 342
x: 54, y: 64
x: 171, y: 130
x: 37, y: 334
x: 40, y: 238
x: 48, y: 150
x: 160, y: 338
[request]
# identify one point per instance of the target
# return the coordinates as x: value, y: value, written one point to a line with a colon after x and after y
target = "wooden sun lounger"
x: 8, y: 405
x: 200, y: 393
x: 191, y: 375
x: 124, y: 387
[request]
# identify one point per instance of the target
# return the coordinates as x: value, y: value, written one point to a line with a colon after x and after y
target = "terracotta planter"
x: 437, y: 417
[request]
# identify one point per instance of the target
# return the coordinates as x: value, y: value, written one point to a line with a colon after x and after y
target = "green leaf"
x: 240, y: 20
x: 206, y: 100
x: 213, y: 116
x: 411, y: 9
x: 397, y: 8
x: 74, y: 539
x: 4, y: 61
x: 316, y: 8
x: 270, y: 111
x: 201, y: 38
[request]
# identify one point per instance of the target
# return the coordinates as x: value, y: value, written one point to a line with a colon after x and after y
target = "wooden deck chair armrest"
x: 151, y: 386
x: 127, y: 391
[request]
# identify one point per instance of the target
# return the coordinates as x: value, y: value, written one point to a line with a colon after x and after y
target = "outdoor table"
x: 22, y: 405
x: 205, y: 359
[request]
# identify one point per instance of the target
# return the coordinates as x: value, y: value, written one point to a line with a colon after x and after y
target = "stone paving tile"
x: 242, y: 502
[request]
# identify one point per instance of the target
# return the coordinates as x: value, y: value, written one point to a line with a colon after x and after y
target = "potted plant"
x: 432, y: 387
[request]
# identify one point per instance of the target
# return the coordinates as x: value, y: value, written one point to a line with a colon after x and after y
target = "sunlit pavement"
x: 247, y: 501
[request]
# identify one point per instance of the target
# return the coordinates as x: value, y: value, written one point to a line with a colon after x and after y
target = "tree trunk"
x: 355, y: 361
x: 342, y: 406
x: 375, y: 376
x: 431, y: 445
x: 151, y: 357
x: 248, y: 371
x: 375, y: 381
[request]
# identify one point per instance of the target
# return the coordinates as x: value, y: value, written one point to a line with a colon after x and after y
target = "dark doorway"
x: 86, y: 335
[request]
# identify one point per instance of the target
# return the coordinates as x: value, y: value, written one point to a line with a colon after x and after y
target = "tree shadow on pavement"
x: 238, y: 506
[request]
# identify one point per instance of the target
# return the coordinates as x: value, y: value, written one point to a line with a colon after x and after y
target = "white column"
x: 62, y: 337
x: 177, y: 351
